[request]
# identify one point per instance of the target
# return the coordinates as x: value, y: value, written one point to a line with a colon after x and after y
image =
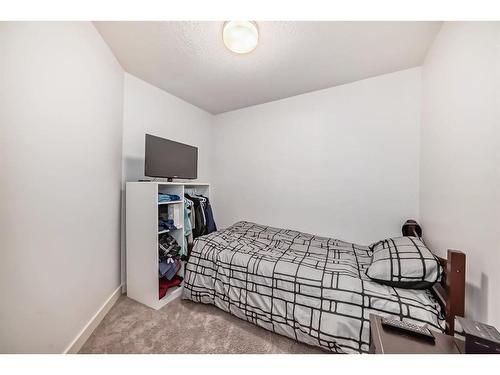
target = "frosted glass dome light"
x: 240, y: 36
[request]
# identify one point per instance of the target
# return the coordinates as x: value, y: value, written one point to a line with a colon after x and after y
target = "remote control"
x: 410, y: 328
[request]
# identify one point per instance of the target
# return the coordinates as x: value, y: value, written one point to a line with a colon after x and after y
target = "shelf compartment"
x: 172, y: 294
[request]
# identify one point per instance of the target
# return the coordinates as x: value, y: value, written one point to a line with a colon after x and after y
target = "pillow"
x: 403, y: 262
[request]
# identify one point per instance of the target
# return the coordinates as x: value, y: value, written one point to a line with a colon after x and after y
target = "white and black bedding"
x: 312, y: 289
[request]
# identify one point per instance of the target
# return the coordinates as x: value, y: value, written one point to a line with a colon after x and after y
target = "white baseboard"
x: 85, y: 333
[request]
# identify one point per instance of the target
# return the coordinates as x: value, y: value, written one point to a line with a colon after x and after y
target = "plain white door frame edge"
x: 92, y: 324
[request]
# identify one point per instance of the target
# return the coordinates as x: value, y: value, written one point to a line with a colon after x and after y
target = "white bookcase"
x: 142, y: 211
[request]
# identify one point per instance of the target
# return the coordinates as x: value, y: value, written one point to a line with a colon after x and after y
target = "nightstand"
x: 390, y: 341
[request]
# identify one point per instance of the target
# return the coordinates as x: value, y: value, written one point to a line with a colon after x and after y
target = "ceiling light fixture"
x: 240, y: 36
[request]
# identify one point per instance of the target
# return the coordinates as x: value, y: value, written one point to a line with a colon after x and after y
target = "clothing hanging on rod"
x: 201, y: 215
x: 188, y: 228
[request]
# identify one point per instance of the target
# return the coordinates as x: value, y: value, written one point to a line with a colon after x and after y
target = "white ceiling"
x: 189, y: 60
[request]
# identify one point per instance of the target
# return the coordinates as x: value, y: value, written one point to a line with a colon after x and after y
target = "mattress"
x: 309, y: 288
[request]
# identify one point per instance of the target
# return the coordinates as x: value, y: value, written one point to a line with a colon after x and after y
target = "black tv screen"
x: 169, y: 159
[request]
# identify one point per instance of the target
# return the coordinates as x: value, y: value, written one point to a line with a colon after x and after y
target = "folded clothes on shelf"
x: 165, y: 285
x: 162, y: 197
x: 167, y: 224
x: 169, y: 262
x: 168, y: 247
x: 168, y: 269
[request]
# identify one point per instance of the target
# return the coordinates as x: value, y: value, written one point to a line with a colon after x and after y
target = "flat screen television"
x: 169, y: 159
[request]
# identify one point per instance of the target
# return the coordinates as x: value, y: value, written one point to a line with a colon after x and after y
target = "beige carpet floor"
x: 183, y: 327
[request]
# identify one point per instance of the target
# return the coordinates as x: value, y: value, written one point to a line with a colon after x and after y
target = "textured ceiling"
x: 189, y: 60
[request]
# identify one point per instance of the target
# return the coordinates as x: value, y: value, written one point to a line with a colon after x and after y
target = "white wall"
x: 341, y: 162
x: 148, y: 109
x: 460, y: 163
x: 61, y: 94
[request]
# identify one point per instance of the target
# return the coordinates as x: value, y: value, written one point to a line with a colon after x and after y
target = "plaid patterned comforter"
x: 309, y: 288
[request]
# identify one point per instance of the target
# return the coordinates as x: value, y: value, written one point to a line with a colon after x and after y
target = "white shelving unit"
x: 142, y: 210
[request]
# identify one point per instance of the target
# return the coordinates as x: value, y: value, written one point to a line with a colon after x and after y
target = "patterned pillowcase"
x: 403, y: 262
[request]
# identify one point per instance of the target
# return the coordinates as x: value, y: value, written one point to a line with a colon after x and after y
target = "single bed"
x: 312, y: 289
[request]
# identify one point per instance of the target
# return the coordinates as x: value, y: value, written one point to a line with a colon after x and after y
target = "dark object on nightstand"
x: 480, y: 338
x: 391, y: 341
